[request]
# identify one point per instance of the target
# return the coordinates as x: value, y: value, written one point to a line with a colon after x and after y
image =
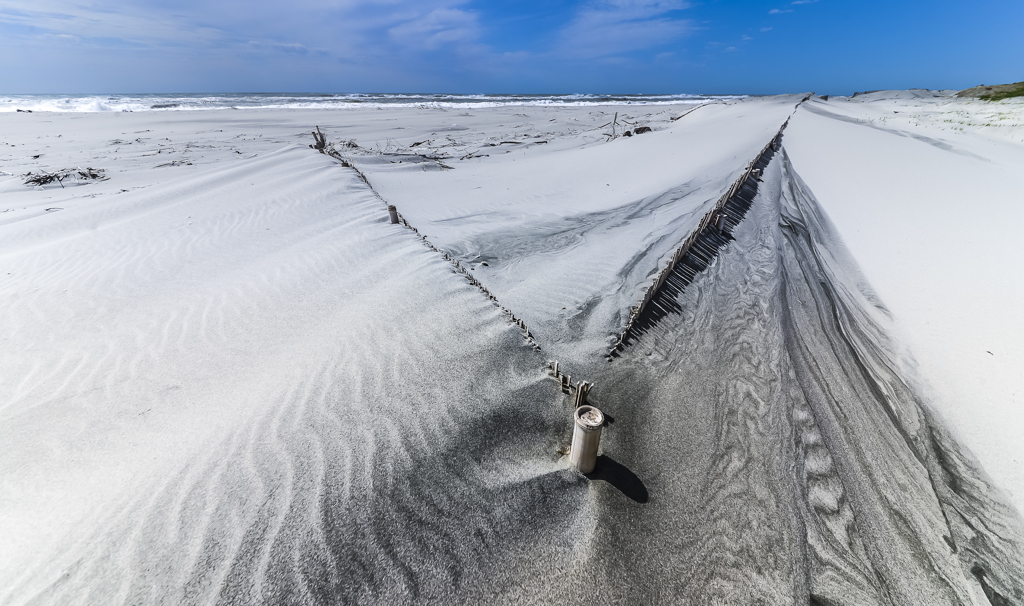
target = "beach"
x: 229, y: 377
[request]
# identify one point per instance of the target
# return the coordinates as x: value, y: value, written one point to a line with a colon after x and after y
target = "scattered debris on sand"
x: 78, y: 174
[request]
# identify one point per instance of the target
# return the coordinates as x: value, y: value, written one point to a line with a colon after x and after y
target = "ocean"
x: 207, y: 101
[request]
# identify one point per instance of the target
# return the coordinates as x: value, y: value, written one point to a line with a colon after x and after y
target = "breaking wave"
x: 178, y: 102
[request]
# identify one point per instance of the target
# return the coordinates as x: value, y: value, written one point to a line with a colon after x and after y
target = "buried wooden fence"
x: 714, y: 216
x: 397, y: 218
x: 461, y: 269
x: 581, y: 388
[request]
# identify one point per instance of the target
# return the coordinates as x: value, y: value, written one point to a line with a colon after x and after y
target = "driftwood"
x: 321, y: 141
x: 688, y: 112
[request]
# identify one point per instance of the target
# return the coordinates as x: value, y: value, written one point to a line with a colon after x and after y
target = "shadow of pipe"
x: 620, y: 477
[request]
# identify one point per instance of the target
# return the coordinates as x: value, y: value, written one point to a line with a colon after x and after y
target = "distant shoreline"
x: 207, y: 101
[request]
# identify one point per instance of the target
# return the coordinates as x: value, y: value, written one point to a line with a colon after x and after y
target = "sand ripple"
x: 247, y: 387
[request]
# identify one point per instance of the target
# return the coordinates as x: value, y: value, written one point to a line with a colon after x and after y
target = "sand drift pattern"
x: 787, y: 458
x: 834, y: 517
x: 303, y: 447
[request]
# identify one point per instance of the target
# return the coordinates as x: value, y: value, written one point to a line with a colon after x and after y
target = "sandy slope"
x: 208, y: 373
x: 231, y: 380
x: 925, y: 191
x: 781, y: 448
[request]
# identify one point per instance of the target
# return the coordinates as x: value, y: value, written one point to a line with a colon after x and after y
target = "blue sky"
x: 510, y: 46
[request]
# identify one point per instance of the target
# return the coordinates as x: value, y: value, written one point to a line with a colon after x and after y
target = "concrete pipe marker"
x: 586, y: 438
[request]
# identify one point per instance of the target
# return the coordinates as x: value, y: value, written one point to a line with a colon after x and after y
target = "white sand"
x: 925, y: 190
x: 227, y: 378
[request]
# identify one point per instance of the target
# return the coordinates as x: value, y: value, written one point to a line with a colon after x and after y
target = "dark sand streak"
x: 786, y: 457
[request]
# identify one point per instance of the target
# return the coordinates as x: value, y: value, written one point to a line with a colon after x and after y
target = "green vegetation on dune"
x: 1016, y: 91
x: 996, y: 92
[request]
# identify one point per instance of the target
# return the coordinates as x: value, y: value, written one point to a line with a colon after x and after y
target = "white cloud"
x: 341, y: 25
x: 235, y: 45
x: 436, y: 28
x: 290, y: 48
x: 99, y: 21
x: 334, y: 44
x: 779, y: 11
x: 745, y: 38
x: 766, y: 29
x: 609, y: 27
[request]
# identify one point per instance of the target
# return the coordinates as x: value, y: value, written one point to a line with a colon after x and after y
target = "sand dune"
x: 913, y: 185
x: 202, y: 359
x: 231, y: 380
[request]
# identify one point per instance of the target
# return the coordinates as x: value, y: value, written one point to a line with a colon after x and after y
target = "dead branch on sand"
x: 321, y: 141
